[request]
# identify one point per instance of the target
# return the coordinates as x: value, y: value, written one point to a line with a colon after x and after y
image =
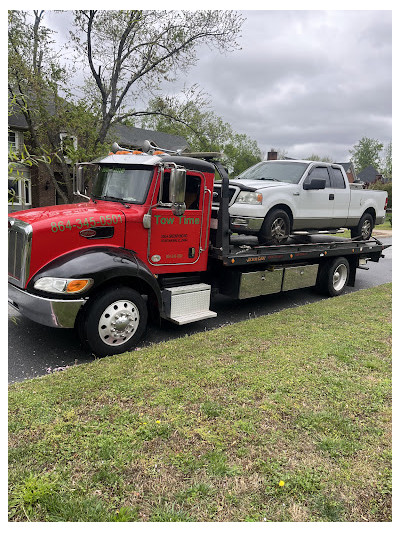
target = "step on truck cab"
x: 147, y: 243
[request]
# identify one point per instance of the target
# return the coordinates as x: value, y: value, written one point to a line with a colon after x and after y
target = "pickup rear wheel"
x: 333, y: 276
x: 275, y: 228
x: 114, y: 321
x: 364, y: 229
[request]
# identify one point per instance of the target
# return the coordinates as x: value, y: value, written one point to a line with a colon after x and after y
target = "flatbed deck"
x: 244, y: 250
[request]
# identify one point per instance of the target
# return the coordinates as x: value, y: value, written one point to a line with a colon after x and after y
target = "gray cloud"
x: 304, y: 81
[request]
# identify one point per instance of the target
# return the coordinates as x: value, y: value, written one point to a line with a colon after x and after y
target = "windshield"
x: 287, y: 171
x: 123, y: 184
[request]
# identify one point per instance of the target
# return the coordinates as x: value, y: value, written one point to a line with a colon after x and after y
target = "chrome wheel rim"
x: 118, y: 322
x: 279, y: 229
x: 340, y: 277
x: 366, y: 229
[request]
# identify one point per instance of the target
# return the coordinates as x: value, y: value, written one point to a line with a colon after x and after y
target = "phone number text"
x: 107, y: 220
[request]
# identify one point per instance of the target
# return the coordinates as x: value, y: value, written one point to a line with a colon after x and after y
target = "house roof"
x: 368, y: 174
x: 16, y: 119
x: 134, y: 137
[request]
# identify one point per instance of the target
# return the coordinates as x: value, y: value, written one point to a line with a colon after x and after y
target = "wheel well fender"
x: 371, y: 211
x: 107, y: 266
x: 285, y: 208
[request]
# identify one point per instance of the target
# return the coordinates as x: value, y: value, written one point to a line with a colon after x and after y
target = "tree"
x: 35, y: 81
x: 315, y: 157
x: 366, y: 152
x: 130, y: 53
x: 203, y: 129
x: 387, y: 162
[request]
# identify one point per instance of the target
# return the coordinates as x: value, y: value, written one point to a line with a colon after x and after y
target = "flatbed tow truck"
x: 154, y: 240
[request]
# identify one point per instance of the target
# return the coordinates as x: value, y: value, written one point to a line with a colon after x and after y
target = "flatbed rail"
x: 242, y: 254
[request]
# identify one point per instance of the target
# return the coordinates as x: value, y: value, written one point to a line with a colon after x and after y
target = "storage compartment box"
x: 299, y: 277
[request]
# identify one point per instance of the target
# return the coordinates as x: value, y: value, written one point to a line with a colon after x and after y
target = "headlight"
x: 63, y: 285
x: 247, y: 197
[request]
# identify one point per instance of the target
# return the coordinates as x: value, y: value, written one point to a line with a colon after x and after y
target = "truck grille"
x: 217, y: 194
x: 19, y: 251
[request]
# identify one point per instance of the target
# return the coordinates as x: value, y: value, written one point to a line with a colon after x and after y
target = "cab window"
x: 192, y: 194
x: 319, y: 173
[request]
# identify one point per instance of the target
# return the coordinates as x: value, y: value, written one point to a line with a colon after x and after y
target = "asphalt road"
x: 36, y: 350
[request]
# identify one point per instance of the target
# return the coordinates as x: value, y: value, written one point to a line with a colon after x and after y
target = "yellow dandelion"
x: 158, y: 421
x: 281, y: 483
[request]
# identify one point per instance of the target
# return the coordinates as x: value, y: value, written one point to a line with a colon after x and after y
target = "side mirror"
x: 79, y: 180
x: 177, y: 189
x: 314, y: 184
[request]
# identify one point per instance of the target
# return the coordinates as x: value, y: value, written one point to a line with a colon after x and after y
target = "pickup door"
x: 315, y: 207
x: 324, y: 208
x: 342, y: 196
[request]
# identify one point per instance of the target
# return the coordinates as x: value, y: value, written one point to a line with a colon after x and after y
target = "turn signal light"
x: 77, y: 285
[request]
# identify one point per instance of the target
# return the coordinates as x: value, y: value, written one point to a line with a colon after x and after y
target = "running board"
x: 187, y: 303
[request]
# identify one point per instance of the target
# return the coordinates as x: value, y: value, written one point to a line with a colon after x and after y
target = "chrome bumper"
x: 246, y: 223
x: 54, y: 313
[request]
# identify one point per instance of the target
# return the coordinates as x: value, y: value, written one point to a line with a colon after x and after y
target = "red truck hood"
x: 57, y: 230
x: 66, y: 212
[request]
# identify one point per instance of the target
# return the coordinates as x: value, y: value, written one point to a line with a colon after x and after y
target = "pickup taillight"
x: 386, y: 202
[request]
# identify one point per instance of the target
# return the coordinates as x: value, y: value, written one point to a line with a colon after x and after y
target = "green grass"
x: 285, y: 417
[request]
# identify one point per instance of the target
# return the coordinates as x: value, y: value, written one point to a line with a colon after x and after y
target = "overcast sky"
x: 304, y: 81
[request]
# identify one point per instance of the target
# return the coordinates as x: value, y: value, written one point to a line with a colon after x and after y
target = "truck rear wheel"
x: 364, y: 229
x: 275, y: 228
x: 333, y: 276
x: 114, y: 321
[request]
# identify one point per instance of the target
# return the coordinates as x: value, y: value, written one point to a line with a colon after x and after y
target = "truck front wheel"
x: 114, y: 321
x: 333, y: 276
x: 275, y: 228
x: 364, y: 229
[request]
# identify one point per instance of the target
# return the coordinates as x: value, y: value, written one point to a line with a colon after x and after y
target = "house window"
x: 19, y: 189
x: 12, y: 141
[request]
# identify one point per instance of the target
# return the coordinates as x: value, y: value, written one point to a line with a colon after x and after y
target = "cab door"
x: 177, y: 240
x: 315, y: 209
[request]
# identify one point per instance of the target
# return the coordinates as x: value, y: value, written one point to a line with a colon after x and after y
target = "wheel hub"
x: 118, y: 322
x: 278, y: 229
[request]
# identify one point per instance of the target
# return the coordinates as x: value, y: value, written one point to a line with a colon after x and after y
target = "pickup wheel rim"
x: 118, y: 322
x: 340, y: 277
x: 366, y: 229
x: 279, y: 229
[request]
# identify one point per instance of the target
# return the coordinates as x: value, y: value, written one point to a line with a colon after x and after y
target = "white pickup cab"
x: 274, y: 199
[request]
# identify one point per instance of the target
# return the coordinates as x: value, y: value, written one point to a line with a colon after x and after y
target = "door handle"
x: 331, y: 197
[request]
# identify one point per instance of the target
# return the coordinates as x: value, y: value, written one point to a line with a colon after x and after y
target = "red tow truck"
x: 154, y: 240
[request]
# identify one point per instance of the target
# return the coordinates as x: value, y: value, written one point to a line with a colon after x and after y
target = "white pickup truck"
x: 274, y: 199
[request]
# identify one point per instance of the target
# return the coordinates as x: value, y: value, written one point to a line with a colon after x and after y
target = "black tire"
x: 333, y: 276
x: 364, y: 229
x: 113, y: 322
x: 275, y: 228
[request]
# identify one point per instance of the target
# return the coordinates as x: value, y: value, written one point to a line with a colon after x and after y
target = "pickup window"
x: 286, y: 171
x: 337, y: 179
x: 319, y: 173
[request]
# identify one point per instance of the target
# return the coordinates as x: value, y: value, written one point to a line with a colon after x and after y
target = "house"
x: 369, y: 175
x: 32, y: 187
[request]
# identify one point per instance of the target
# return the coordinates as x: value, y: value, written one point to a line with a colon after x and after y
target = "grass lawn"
x: 285, y: 417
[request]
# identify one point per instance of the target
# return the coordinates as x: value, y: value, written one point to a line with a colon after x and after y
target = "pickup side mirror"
x: 177, y: 189
x: 314, y: 184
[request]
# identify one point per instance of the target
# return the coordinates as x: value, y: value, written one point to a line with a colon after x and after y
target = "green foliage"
x: 315, y: 157
x: 203, y: 129
x: 366, y: 152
